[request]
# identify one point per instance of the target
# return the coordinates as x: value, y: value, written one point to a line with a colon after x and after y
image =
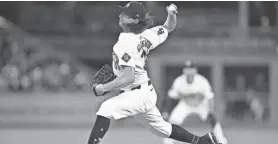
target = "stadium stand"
x: 29, y: 64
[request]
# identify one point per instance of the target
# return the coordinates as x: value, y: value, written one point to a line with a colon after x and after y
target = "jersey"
x: 133, y: 49
x: 181, y: 89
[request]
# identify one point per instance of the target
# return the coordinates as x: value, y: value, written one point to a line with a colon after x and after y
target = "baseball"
x: 172, y: 8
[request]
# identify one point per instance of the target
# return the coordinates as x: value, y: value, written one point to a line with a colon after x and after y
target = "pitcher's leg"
x: 157, y: 125
x: 118, y: 107
x: 100, y: 128
x: 102, y: 123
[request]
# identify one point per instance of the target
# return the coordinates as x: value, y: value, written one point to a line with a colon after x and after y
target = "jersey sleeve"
x: 207, y: 89
x: 174, y: 90
x: 157, y: 35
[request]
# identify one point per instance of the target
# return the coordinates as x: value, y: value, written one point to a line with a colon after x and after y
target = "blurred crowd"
x: 84, y: 17
x: 29, y: 64
x: 247, y: 100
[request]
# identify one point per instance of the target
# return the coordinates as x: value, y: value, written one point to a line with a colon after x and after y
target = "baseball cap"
x: 134, y: 10
x: 189, y: 68
x: 189, y: 64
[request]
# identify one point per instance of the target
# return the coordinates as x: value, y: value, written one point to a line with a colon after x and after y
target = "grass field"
x: 121, y: 136
x: 40, y: 119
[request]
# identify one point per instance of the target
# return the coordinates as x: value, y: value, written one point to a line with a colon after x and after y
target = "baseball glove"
x: 194, y: 99
x: 104, y: 75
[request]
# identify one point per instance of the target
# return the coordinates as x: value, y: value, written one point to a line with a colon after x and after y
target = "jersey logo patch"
x: 160, y: 31
x: 144, y: 47
x: 126, y: 57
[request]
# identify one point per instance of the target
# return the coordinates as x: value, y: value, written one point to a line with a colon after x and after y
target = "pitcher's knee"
x: 106, y: 110
x: 164, y: 129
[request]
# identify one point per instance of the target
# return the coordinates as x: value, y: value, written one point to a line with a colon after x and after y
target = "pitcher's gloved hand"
x: 98, y: 90
x: 103, y: 76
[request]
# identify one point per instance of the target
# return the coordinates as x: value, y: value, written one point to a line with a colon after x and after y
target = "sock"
x: 100, y: 128
x: 180, y: 134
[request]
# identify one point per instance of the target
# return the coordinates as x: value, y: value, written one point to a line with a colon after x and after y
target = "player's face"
x: 189, y: 73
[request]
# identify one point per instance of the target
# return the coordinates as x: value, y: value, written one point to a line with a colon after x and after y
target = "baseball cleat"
x: 210, y: 138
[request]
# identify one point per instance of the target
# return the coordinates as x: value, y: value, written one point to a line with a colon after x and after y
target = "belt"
x: 138, y: 87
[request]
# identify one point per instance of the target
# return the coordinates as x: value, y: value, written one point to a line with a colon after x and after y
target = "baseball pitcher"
x: 137, y: 96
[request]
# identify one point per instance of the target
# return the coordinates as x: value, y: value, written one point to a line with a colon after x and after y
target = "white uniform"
x: 197, y: 104
x: 132, y: 50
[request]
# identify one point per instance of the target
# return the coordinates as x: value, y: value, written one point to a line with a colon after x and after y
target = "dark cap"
x: 189, y: 64
x: 134, y: 10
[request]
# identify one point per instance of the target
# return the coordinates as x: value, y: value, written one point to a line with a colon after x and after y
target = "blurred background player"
x: 195, y: 96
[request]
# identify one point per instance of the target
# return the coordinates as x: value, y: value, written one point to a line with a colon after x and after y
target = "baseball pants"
x: 141, y: 105
x: 183, y: 110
